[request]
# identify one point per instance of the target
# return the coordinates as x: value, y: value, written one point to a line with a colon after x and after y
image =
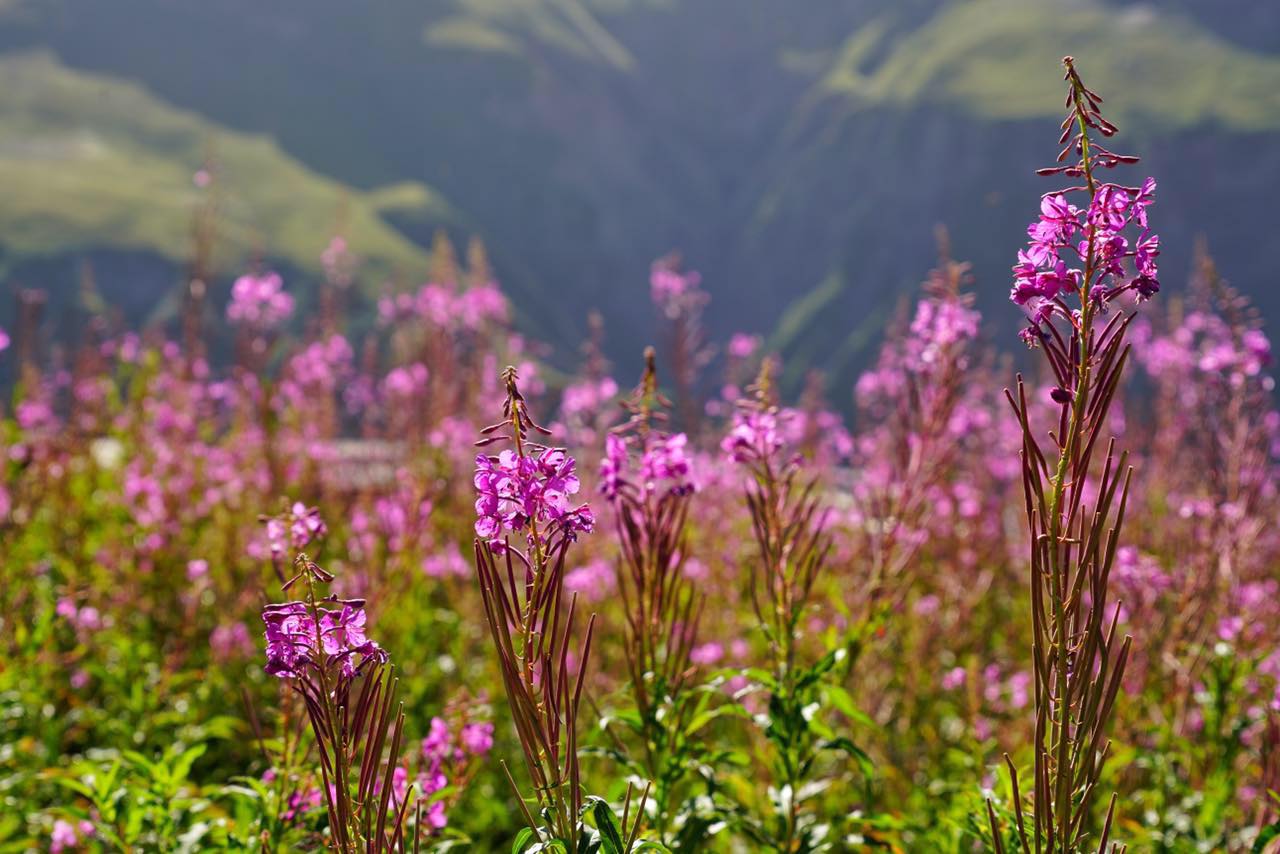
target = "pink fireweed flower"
x: 939, y: 325
x: 668, y: 286
x: 406, y: 381
x: 666, y: 461
x: 1092, y: 238
x: 301, y: 803
x: 259, y: 302
x: 528, y: 494
x: 338, y: 262
x: 296, y: 643
x: 64, y: 837
x: 665, y: 466
x: 708, y: 653
x: 445, y: 307
x: 229, y: 642
x: 482, y: 304
x: 954, y: 678
x: 315, y: 371
x: 1069, y: 244
x: 444, y: 563
x: 743, y: 346
x: 297, y: 528
x: 435, y: 747
x: 306, y: 525
x: 36, y: 416
x: 446, y: 758
x: 587, y: 396
x: 593, y: 582
x: 613, y: 468
x: 477, y: 738
x: 1054, y: 230
x: 755, y: 435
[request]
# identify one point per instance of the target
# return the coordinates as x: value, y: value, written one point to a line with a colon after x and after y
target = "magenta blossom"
x: 1066, y: 243
x: 295, y: 643
x: 259, y: 302
x: 296, y: 529
x: 666, y: 466
x: 755, y: 435
x: 743, y: 346
x: 529, y: 494
x: 477, y: 738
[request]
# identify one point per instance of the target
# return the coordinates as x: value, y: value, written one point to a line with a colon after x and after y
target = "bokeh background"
x: 799, y: 154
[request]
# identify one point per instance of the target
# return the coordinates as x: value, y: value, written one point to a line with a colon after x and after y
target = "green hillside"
x: 512, y: 26
x: 988, y: 58
x: 90, y: 161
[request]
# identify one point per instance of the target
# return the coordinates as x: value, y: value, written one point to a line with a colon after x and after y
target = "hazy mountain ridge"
x: 785, y: 154
x: 88, y: 161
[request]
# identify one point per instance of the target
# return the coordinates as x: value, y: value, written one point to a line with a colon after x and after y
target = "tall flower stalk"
x: 912, y: 438
x: 525, y: 491
x: 680, y: 299
x: 651, y: 507
x: 785, y: 518
x: 793, y: 547
x: 1079, y: 264
x: 318, y: 645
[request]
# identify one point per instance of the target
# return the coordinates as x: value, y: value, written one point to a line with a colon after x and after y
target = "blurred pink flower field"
x: 356, y: 567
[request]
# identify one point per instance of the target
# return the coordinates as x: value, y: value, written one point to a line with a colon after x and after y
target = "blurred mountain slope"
x: 87, y: 161
x: 987, y: 57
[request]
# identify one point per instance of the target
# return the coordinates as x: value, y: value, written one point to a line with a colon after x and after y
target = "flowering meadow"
x: 282, y: 577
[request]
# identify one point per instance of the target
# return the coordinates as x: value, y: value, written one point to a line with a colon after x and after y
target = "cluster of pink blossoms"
x: 405, y: 381
x: 259, y: 302
x: 444, y: 758
x: 743, y: 346
x: 588, y: 396
x: 315, y: 371
x: 67, y: 836
x: 667, y: 285
x: 447, y: 307
x: 756, y: 435
x: 938, y: 326
x: 296, y: 529
x: 665, y: 466
x: 673, y: 291
x: 923, y: 362
x: 1203, y: 350
x: 1065, y: 238
x: 296, y: 641
x: 521, y: 493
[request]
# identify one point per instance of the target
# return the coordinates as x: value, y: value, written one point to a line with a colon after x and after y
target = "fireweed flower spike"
x: 646, y: 475
x: 318, y: 646
x: 259, y: 307
x: 680, y: 300
x: 913, y: 406
x: 794, y: 546
x: 1079, y: 263
x: 788, y: 525
x: 524, y: 494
